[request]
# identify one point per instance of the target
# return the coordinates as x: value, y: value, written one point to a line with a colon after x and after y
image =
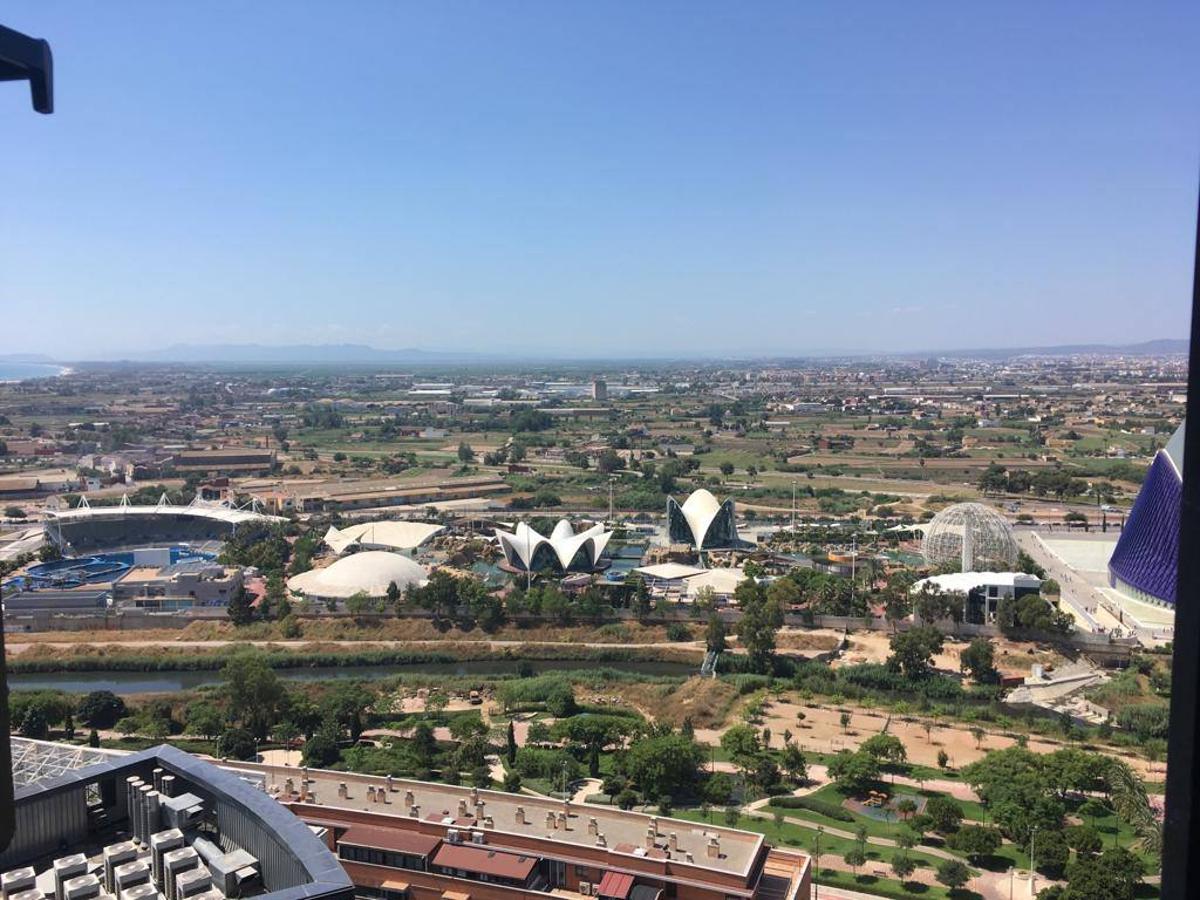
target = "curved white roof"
x: 522, y: 543
x: 1174, y: 448
x: 700, y: 510
x: 381, y: 535
x: 965, y: 582
x: 370, y: 572
x: 219, y: 513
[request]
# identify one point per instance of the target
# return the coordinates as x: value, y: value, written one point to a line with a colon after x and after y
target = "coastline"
x: 11, y: 373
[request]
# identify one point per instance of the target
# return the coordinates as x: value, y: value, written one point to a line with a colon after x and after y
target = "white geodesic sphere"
x: 992, y: 545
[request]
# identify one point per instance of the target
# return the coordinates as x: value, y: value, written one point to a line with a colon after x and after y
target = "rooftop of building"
x: 624, y: 831
x: 88, y: 822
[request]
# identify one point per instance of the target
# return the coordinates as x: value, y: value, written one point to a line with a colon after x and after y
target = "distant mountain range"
x: 344, y: 354
x: 362, y: 354
x: 1160, y: 347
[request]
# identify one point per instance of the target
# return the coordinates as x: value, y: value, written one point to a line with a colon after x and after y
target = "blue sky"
x: 602, y: 179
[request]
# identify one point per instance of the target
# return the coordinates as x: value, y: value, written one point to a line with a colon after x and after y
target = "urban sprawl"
x: 894, y: 627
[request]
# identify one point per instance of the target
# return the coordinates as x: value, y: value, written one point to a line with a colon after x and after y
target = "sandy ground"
x: 821, y: 732
x: 280, y: 757
x: 1012, y: 657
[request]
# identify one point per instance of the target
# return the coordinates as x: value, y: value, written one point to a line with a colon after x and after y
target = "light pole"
x: 817, y: 854
x: 1033, y: 862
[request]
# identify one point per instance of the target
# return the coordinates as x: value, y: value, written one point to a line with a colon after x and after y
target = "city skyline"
x: 700, y: 180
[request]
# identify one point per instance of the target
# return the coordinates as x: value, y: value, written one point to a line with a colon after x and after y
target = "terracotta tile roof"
x: 485, y: 861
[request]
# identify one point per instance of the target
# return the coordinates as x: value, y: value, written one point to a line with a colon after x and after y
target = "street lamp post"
x: 1033, y: 862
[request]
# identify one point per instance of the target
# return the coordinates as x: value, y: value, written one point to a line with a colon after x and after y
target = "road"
x: 1081, y: 597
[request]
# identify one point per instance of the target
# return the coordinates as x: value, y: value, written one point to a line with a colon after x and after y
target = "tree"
x: 943, y: 759
x: 855, y: 858
x: 1114, y: 875
x: 204, y: 719
x: 953, y: 873
x: 512, y: 782
x: 1031, y: 612
x: 510, y: 746
x: 945, y: 814
x: 903, y: 866
x: 761, y: 618
x: 793, y: 762
x: 254, y: 692
x: 854, y: 773
x: 714, y: 634
x: 885, y: 748
x: 980, y: 660
x: 1084, y: 840
x: 93, y: 738
x: 666, y: 764
x: 236, y: 743
x: 393, y: 595
x: 101, y: 709
x: 239, y: 609
x: 345, y: 705
x: 1052, y: 853
x: 34, y: 724
x: 913, y: 651
x: 732, y: 816
x: 321, y: 750
x: 844, y: 718
x: 976, y: 841
x: 465, y: 453
x: 741, y: 743
x: 897, y: 606
x: 906, y: 806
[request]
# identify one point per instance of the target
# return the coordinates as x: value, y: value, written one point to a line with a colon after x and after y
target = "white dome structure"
x: 369, y: 572
x: 972, y: 534
x: 702, y: 521
x: 403, y: 537
x: 525, y: 549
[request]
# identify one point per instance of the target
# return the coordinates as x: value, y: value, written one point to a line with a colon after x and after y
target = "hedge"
x: 820, y: 807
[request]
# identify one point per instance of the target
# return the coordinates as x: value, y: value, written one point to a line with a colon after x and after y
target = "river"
x: 128, y: 683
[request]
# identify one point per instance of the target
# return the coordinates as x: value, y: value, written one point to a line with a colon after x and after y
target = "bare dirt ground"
x: 349, y: 631
x: 821, y: 731
x: 1012, y: 657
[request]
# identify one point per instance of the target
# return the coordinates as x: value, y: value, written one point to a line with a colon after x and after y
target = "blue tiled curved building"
x: 1144, y: 561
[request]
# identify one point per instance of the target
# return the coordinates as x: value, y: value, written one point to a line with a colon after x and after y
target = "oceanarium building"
x: 702, y: 521
x: 1144, y: 562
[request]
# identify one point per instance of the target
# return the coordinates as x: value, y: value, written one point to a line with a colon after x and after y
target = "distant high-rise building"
x: 599, y: 389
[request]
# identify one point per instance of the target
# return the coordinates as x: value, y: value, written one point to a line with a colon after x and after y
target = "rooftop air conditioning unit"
x: 453, y: 836
x: 477, y: 837
x: 585, y: 887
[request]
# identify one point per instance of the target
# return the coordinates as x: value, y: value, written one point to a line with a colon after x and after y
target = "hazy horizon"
x: 617, y: 181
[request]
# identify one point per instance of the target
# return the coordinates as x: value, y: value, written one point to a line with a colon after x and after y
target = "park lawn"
x: 888, y: 887
x: 875, y: 828
x: 795, y: 835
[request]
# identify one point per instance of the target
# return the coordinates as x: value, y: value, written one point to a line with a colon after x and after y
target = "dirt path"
x: 16, y: 648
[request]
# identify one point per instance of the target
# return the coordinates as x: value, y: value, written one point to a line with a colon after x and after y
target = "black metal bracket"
x: 23, y: 58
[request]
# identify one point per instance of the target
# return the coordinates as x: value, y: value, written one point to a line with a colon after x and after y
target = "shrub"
x: 820, y: 807
x: 678, y: 632
x: 101, y: 709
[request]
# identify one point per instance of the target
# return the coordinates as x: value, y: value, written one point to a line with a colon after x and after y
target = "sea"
x: 19, y: 371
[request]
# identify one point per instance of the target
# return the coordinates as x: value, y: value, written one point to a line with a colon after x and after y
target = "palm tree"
x: 1131, y: 804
